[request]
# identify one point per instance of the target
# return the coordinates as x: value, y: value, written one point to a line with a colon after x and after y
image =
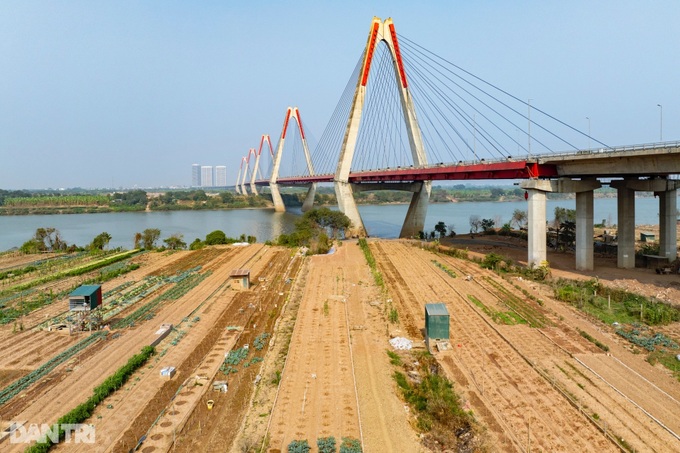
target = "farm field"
x: 303, y: 354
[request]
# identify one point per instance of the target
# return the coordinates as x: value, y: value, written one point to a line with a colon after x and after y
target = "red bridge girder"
x: 493, y: 170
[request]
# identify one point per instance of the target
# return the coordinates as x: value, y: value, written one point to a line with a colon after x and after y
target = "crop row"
x: 443, y: 267
x: 532, y: 316
x: 84, y: 411
x: 174, y: 293
x: 74, y: 271
x: 508, y: 318
x: 649, y: 342
x: 25, y: 381
x: 326, y: 445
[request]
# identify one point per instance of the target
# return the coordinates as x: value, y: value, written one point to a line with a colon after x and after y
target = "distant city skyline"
x: 128, y: 94
x: 208, y: 175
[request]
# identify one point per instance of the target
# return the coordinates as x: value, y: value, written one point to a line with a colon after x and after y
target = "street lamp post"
x: 588, y: 118
x: 660, y: 122
x: 529, y: 131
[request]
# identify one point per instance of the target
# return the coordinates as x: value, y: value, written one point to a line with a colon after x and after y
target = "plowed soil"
x: 535, y: 385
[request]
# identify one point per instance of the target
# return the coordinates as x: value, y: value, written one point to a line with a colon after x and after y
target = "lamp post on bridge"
x: 529, y: 132
x: 660, y: 122
x: 588, y: 118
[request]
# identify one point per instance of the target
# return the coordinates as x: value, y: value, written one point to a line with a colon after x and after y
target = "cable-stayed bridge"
x: 408, y: 117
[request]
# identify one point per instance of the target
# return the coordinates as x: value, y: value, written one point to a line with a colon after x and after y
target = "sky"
x: 98, y: 94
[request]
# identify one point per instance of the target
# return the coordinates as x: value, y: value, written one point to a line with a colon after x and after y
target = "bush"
x: 350, y: 445
x: 326, y: 444
x: 299, y: 446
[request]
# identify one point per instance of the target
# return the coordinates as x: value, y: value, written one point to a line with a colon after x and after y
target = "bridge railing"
x: 613, y: 149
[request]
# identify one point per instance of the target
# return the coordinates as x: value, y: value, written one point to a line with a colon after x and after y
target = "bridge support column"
x: 584, y: 231
x: 668, y: 233
x: 309, y: 199
x: 537, y: 228
x: 537, y: 189
x: 276, y: 198
x: 625, y: 206
x: 347, y: 205
x: 417, y: 211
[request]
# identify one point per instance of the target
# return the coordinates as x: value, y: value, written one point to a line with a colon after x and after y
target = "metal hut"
x: 85, y: 298
x: 436, y: 323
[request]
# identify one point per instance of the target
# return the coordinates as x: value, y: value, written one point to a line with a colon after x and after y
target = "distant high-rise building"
x: 196, y: 175
x: 221, y: 176
x: 207, y: 176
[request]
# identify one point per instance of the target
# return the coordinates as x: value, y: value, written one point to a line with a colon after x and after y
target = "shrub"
x: 299, y: 446
x: 350, y: 445
x: 326, y: 444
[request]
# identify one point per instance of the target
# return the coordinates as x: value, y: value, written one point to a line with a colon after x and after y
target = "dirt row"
x: 77, y: 385
x: 550, y: 367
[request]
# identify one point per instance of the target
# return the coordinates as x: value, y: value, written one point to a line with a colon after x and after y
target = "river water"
x: 380, y: 220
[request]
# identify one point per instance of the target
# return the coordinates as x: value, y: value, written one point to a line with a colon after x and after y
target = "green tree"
x: 175, y: 242
x: 100, y: 241
x: 497, y: 193
x: 197, y: 244
x: 44, y: 240
x: 138, y: 240
x: 487, y: 225
x: 149, y: 237
x: 440, y: 228
x: 519, y: 218
x: 216, y: 237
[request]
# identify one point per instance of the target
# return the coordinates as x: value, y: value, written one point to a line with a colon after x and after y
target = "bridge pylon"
x: 245, y: 172
x: 382, y: 31
x: 265, y: 138
x: 237, y: 186
x: 291, y: 113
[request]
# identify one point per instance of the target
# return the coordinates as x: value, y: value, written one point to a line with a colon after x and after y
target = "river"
x: 380, y: 220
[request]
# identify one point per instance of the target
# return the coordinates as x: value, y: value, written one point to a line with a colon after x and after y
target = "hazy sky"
x: 131, y: 93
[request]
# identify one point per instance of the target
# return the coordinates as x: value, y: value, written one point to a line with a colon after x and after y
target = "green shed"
x: 436, y: 322
x: 85, y: 297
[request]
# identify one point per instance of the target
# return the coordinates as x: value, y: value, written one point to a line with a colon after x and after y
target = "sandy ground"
x: 547, y: 387
x: 336, y: 381
x: 543, y: 388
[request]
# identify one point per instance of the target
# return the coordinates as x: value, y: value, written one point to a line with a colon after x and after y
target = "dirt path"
x: 336, y: 381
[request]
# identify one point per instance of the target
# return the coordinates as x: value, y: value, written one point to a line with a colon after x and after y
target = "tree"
x: 475, y: 223
x: 487, y: 225
x: 44, y: 240
x: 138, y: 240
x: 216, y: 237
x: 100, y: 241
x: 519, y: 218
x: 563, y: 214
x: 566, y: 233
x: 175, y: 242
x: 149, y: 237
x: 197, y: 244
x: 440, y: 228
x: 497, y: 192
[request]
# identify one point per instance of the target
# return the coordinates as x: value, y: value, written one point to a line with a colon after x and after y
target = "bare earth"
x: 544, y: 388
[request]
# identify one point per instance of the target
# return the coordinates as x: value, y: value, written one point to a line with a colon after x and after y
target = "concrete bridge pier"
x: 537, y: 217
x: 625, y: 207
x: 668, y: 214
x: 537, y: 231
x: 276, y: 197
x: 309, y: 199
x: 414, y: 222
x: 668, y: 236
x: 347, y: 205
